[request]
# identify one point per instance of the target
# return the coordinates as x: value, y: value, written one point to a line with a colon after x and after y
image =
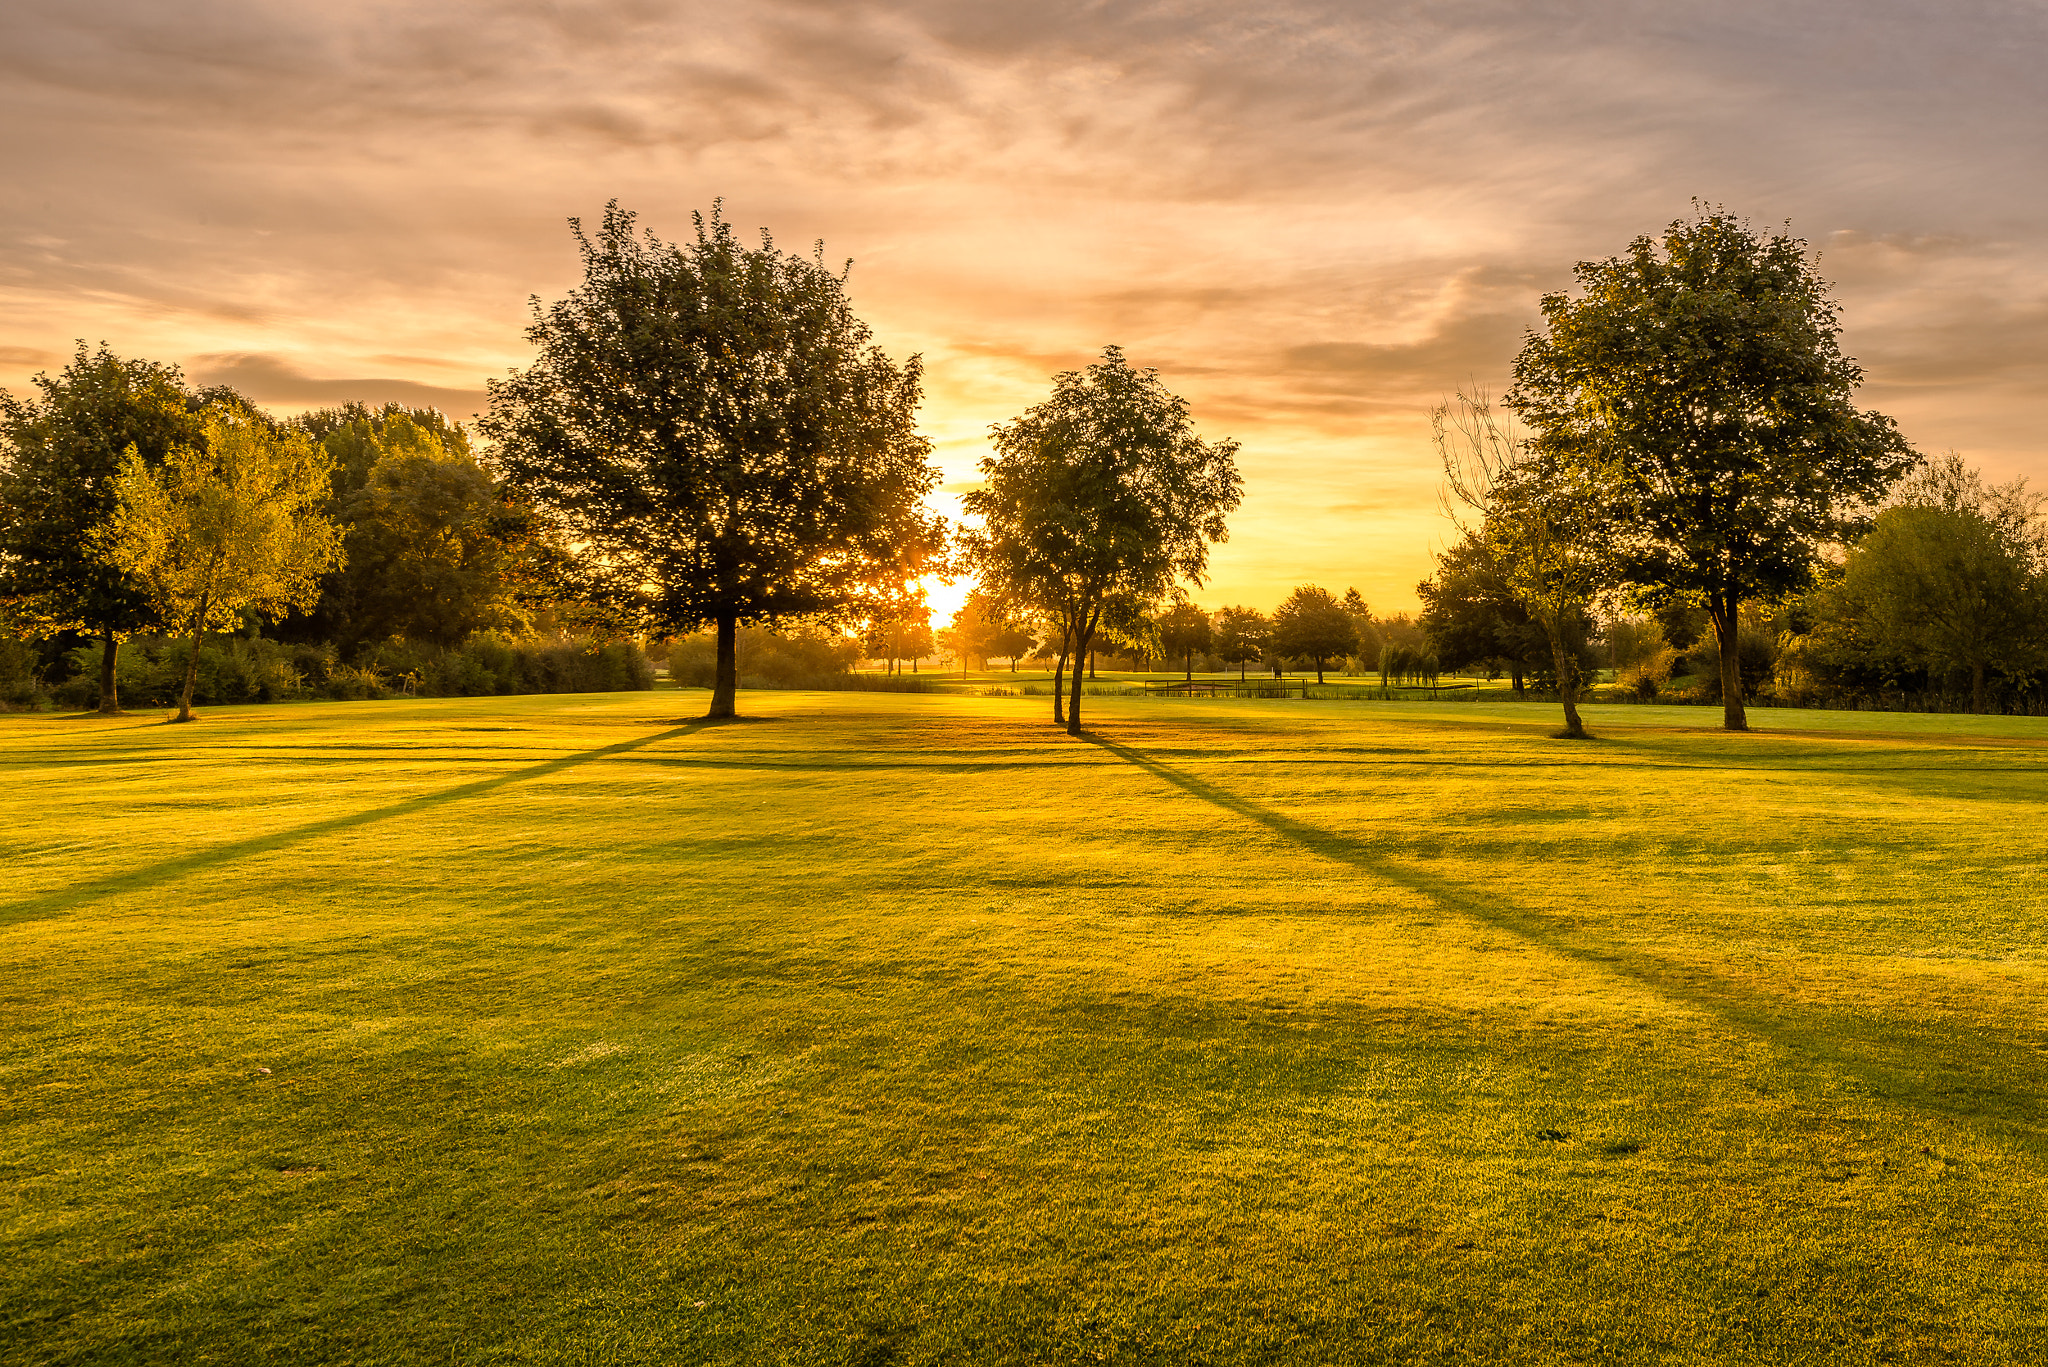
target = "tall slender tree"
x: 1544, y: 529
x: 1701, y: 374
x: 1100, y: 499
x: 1184, y: 629
x: 714, y: 430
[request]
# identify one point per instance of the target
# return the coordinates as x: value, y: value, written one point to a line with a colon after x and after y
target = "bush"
x: 151, y: 672
x: 766, y: 659
x: 488, y: 665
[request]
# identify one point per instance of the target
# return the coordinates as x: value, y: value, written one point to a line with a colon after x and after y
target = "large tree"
x: 62, y: 450
x: 714, y: 431
x: 1700, y: 374
x: 1313, y: 625
x: 233, y: 523
x: 1097, y: 502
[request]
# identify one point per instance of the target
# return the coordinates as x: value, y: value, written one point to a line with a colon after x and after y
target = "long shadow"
x: 1935, y: 1070
x: 64, y: 899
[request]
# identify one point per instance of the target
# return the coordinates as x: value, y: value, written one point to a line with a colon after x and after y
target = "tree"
x: 712, y: 428
x: 435, y: 547
x: 1313, y: 625
x: 1949, y: 578
x: 1098, y: 501
x: 1010, y: 641
x: 63, y: 449
x: 1362, y: 622
x: 1544, y: 531
x: 1241, y: 636
x: 229, y: 525
x: 1184, y: 629
x: 977, y: 627
x: 901, y: 629
x: 1701, y: 375
x: 1470, y: 618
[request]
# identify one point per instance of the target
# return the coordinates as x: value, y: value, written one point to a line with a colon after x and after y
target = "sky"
x: 1315, y: 220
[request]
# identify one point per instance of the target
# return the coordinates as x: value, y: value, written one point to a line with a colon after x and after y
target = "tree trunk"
x: 192, y: 661
x: 1319, y: 669
x: 1977, y: 687
x: 110, y: 699
x: 726, y: 683
x: 1515, y: 674
x: 1059, y: 685
x: 1727, y: 630
x: 1567, y: 686
x: 1191, y: 666
x: 1240, y: 673
x: 1082, y: 647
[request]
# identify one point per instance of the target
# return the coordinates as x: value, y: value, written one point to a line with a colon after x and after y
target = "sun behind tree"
x: 711, y: 427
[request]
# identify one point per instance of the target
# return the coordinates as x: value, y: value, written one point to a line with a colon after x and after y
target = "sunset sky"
x: 1314, y: 220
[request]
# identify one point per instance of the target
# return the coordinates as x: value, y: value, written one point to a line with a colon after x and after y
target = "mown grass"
x: 904, y: 1029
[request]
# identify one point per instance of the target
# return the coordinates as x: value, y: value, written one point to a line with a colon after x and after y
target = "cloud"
x: 271, y: 380
x: 1315, y: 217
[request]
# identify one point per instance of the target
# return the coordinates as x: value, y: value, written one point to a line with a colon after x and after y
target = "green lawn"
x: 902, y: 1028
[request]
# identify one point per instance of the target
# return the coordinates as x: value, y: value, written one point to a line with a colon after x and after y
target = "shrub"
x: 766, y: 659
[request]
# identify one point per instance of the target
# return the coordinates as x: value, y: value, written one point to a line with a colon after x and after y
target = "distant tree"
x: 710, y: 425
x: 229, y: 525
x: 1471, y: 619
x: 1099, y: 499
x: 1949, y: 578
x: 1700, y: 376
x: 63, y: 448
x: 976, y: 625
x: 1011, y: 641
x: 1241, y: 636
x: 1544, y: 531
x: 436, y: 548
x: 1184, y: 629
x: 1313, y: 625
x: 900, y: 630
x: 1362, y: 621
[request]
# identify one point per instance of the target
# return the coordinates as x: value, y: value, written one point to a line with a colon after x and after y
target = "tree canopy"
x: 1184, y: 629
x: 436, y: 547
x: 1948, y: 579
x: 1470, y: 617
x: 713, y: 429
x: 63, y: 448
x: 1313, y: 625
x: 1098, y: 500
x: 1699, y: 376
x: 233, y: 523
x: 1241, y: 636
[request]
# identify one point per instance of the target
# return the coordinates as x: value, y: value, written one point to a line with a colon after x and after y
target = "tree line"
x: 708, y: 440
x: 1681, y: 442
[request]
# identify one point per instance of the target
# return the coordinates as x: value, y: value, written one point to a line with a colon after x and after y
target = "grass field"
x: 903, y: 1029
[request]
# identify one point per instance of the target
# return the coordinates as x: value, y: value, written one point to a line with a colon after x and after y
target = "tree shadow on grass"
x: 65, y: 899
x: 1991, y: 1085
